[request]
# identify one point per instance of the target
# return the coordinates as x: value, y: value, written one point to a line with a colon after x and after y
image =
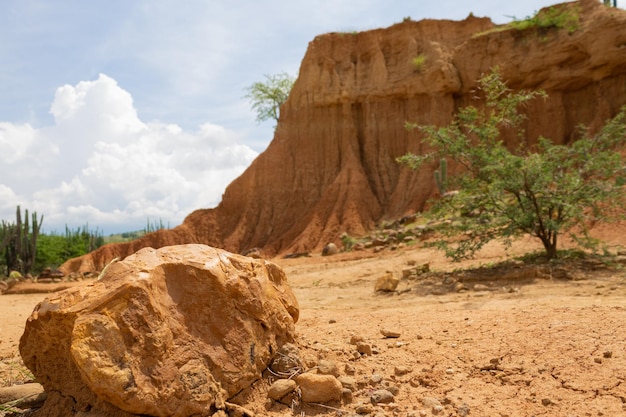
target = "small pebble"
x: 390, y: 333
x: 376, y: 379
x: 381, y: 396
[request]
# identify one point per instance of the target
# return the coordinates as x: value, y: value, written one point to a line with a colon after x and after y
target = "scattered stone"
x: 387, y: 283
x: 394, y: 389
x: 401, y: 370
x: 364, y: 348
x: 332, y: 321
x: 431, y: 402
x: 281, y: 388
x: 381, y: 396
x: 546, y: 401
x: 349, y: 369
x: 348, y: 382
x: 480, y: 287
x: 608, y: 354
x: 463, y: 410
x: 407, y: 273
x: 317, y: 388
x: 330, y: 249
x: 376, y: 379
x: 390, y: 333
x: 326, y: 367
x: 354, y: 339
x: 597, y: 360
x: 346, y: 395
x: 364, y: 409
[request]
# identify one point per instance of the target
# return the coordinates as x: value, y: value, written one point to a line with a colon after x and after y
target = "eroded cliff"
x: 331, y: 165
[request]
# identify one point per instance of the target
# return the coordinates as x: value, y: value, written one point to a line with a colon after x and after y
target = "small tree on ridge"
x: 543, y: 191
x: 267, y: 97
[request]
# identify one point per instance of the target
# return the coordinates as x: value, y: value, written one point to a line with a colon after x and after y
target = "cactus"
x: 19, y: 242
x: 441, y: 176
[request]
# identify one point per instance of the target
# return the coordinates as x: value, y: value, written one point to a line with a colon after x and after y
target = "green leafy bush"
x: 544, y: 191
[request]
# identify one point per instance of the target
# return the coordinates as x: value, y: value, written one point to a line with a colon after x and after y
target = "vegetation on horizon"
x: 545, y: 191
x: 24, y: 249
x: 558, y: 17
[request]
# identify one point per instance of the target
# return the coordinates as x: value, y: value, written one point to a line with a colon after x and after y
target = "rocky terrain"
x: 331, y: 168
x: 522, y: 339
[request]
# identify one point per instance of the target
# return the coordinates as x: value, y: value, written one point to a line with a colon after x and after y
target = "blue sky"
x: 119, y: 111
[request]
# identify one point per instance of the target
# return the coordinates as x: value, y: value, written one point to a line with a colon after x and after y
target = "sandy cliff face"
x: 331, y: 165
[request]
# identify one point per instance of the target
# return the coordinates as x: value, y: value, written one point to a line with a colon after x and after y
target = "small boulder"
x: 326, y: 367
x: 318, y: 388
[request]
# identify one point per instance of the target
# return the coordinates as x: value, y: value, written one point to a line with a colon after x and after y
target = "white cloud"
x: 100, y: 164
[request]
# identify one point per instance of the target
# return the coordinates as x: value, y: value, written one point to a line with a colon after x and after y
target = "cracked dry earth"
x: 534, y: 347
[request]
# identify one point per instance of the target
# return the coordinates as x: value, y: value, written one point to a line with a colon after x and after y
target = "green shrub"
x: 419, y: 62
x: 545, y: 191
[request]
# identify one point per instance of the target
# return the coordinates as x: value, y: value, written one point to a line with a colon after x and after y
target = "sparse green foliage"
x: 560, y: 17
x: 154, y: 226
x: 267, y: 97
x: 348, y: 242
x: 567, y: 18
x: 419, y: 62
x: 545, y: 191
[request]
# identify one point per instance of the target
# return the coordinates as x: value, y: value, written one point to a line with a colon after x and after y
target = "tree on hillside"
x: 267, y: 97
x: 545, y: 190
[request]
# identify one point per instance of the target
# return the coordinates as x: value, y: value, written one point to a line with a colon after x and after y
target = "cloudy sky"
x: 114, y: 113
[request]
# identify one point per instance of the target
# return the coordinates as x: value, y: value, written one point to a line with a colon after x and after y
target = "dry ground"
x: 532, y: 347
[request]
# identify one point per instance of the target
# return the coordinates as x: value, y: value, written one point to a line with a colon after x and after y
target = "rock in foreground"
x: 168, y: 332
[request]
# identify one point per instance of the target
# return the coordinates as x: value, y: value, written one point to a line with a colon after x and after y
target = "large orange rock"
x: 331, y: 166
x: 168, y: 332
